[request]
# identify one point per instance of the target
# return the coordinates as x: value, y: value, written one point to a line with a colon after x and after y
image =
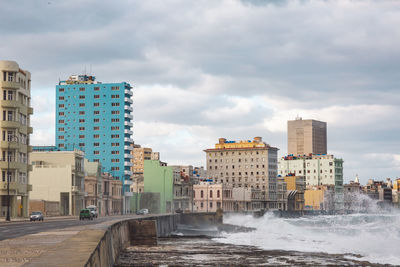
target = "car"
x: 36, y: 216
x: 93, y: 210
x: 179, y: 210
x: 85, y: 214
x: 142, y: 212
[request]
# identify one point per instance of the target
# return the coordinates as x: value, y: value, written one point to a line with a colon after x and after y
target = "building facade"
x: 59, y: 176
x: 93, y: 185
x: 209, y: 197
x: 15, y: 85
x: 245, y: 164
x: 307, y: 137
x: 317, y: 170
x: 97, y: 119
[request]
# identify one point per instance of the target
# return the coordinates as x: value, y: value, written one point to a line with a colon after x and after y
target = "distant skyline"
x: 235, y: 69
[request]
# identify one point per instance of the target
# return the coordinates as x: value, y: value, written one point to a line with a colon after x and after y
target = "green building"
x: 158, y: 188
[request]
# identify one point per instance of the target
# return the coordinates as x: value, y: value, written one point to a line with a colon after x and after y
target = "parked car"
x: 93, y: 210
x: 179, y: 210
x: 142, y: 212
x: 36, y: 216
x: 85, y: 214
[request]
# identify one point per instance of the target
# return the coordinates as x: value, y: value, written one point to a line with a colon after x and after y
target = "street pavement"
x: 19, y: 228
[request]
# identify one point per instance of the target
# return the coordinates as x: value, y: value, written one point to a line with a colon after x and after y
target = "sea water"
x: 373, y: 237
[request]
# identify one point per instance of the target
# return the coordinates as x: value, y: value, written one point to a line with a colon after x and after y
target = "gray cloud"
x: 206, y: 69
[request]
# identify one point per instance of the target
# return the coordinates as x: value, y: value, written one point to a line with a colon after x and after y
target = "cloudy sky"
x: 236, y: 69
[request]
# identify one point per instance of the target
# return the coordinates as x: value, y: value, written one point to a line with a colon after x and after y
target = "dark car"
x: 85, y: 214
x: 36, y: 216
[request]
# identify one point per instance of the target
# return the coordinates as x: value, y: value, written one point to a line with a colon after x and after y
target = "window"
x: 218, y: 194
x: 114, y: 144
x: 115, y: 112
x: 96, y: 96
x: 115, y: 136
x: 81, y: 112
x: 114, y: 104
x: 211, y: 193
x: 61, y: 98
x: 61, y: 137
x: 96, y: 112
x: 81, y: 104
x: 115, y: 88
x: 61, y: 129
x: 82, y: 136
x: 96, y: 136
x: 81, y: 120
x: 113, y: 128
x: 114, y: 96
x: 61, y: 89
x: 96, y: 152
x: 114, y: 160
x: 61, y: 105
x: 60, y: 145
x: 81, y: 97
x: 115, y: 152
x: 82, y: 89
x: 114, y: 120
x: 96, y: 144
x: 96, y: 120
x: 81, y: 128
x: 201, y: 194
x: 60, y: 121
x: 81, y: 144
x: 96, y: 104
x: 96, y: 128
x: 97, y: 88
x: 61, y: 113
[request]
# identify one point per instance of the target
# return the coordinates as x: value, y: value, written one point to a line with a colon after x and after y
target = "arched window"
x: 211, y: 194
x: 218, y: 193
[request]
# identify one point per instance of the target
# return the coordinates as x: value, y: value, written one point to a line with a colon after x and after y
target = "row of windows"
x: 96, y: 88
x: 95, y: 128
x: 239, y: 160
x: 94, y: 120
x: 96, y: 144
x: 233, y: 166
x: 236, y: 153
x: 96, y: 136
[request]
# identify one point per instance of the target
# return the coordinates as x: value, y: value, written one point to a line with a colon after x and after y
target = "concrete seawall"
x: 100, y: 244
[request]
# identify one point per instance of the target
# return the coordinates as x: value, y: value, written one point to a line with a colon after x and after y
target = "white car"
x: 93, y: 210
x: 142, y: 212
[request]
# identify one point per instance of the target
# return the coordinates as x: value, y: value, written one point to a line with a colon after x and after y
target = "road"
x: 16, y: 229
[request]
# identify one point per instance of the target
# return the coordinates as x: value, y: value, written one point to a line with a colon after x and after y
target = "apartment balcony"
x: 10, y: 124
x: 128, y: 172
x: 11, y: 85
x: 13, y: 165
x: 129, y: 116
x: 128, y: 123
x: 30, y: 130
x: 128, y: 148
x: 30, y: 111
x: 13, y: 145
x: 10, y: 104
x: 13, y: 186
x: 126, y: 131
x: 128, y: 182
x: 128, y: 156
x: 128, y: 140
x: 128, y: 92
x: 128, y: 163
x: 126, y: 107
x: 128, y: 100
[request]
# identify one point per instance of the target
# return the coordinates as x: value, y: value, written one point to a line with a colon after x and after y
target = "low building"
x: 319, y: 198
x: 209, y: 197
x: 183, y: 187
x: 93, y: 185
x: 107, y: 200
x: 59, y: 176
x: 295, y: 186
x: 116, y: 196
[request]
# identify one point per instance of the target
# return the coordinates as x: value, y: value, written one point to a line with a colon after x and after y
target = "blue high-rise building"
x: 96, y: 118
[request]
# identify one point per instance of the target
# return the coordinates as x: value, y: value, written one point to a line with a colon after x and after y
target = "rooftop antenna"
x: 298, y: 117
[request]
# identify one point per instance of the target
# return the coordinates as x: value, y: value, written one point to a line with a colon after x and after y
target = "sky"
x: 207, y: 69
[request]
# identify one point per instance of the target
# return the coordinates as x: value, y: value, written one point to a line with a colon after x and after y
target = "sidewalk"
x: 52, y: 218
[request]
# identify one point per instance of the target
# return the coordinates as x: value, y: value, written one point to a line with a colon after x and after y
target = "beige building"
x: 116, y: 192
x: 59, y: 176
x: 208, y: 197
x: 306, y: 137
x: 140, y: 154
x: 15, y: 85
x: 183, y: 187
x: 248, y: 164
x: 93, y: 185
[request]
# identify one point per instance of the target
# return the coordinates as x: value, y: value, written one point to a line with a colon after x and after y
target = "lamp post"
x: 9, y: 139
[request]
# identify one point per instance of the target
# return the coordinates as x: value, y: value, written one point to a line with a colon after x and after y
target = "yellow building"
x: 59, y: 176
x: 295, y: 186
x: 15, y: 85
x: 319, y: 198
